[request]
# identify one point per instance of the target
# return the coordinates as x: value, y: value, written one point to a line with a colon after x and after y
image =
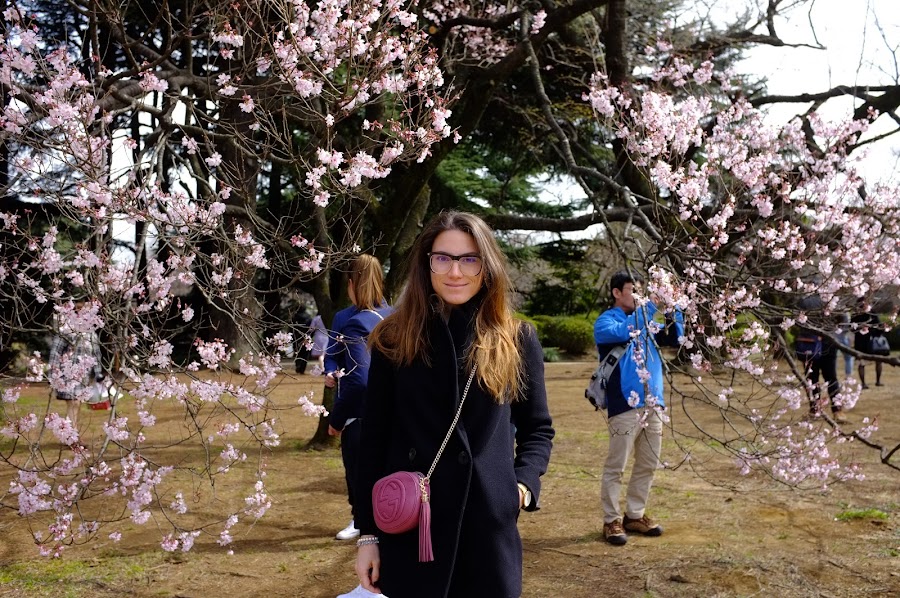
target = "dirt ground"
x: 725, y: 535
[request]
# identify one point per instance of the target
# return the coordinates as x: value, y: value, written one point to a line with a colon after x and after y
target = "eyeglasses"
x: 442, y: 263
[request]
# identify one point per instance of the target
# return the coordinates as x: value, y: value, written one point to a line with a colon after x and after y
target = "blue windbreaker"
x: 614, y: 327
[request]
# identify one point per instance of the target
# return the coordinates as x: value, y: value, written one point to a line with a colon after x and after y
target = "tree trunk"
x: 236, y: 320
x: 409, y: 230
x: 326, y: 305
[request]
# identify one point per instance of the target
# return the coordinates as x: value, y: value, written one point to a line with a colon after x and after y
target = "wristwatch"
x: 526, y: 495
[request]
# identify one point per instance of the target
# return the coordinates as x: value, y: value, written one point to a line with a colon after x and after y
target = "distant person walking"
x: 319, y: 342
x: 302, y: 321
x: 846, y: 338
x: 870, y: 339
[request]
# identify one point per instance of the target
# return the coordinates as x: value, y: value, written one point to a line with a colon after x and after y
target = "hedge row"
x: 571, y: 334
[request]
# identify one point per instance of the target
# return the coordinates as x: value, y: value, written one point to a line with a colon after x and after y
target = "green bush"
x: 572, y: 334
x: 540, y: 324
x: 551, y: 354
x: 893, y: 336
x: 540, y: 320
x: 14, y: 359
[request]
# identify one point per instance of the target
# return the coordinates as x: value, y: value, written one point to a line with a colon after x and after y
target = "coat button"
x: 463, y: 458
x: 412, y: 454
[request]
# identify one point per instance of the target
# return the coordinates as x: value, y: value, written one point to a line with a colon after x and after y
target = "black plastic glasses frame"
x: 463, y: 266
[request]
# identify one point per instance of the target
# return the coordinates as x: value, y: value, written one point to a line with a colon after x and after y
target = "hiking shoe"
x: 348, y: 533
x: 840, y: 418
x: 614, y: 533
x: 644, y: 525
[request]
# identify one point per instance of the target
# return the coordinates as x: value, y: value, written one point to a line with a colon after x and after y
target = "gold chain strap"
x: 427, y: 479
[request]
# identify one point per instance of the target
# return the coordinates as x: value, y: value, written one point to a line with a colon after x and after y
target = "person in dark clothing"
x: 454, y: 321
x: 302, y: 320
x: 826, y: 365
x: 867, y: 328
x: 818, y: 352
x: 334, y: 348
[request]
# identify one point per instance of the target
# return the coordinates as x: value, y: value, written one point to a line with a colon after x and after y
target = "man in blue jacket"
x: 635, y: 398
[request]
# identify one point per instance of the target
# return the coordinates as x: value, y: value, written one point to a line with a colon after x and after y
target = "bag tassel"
x: 426, y: 554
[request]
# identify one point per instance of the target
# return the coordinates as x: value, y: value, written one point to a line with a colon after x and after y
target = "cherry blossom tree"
x: 745, y: 221
x: 276, y: 82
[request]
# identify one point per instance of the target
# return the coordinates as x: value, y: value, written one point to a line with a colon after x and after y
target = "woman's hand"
x: 368, y: 563
x: 329, y: 380
x: 332, y: 431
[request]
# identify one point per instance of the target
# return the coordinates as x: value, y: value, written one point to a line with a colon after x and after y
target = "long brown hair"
x: 368, y: 281
x: 403, y: 336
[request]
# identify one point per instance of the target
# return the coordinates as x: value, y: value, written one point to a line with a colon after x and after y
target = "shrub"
x: 893, y: 336
x: 14, y: 358
x: 540, y: 323
x: 551, y: 354
x: 572, y: 334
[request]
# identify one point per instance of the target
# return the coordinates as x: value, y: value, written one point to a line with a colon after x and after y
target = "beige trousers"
x: 637, y: 431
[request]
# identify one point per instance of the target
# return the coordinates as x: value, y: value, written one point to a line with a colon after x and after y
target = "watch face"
x: 526, y: 495
x: 526, y: 498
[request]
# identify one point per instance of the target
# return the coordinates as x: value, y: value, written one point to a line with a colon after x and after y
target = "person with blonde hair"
x: 365, y: 286
x: 452, y: 323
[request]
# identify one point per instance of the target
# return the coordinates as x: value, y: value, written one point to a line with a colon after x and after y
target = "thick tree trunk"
x: 236, y: 319
x: 409, y: 229
x: 321, y: 292
x: 615, y: 34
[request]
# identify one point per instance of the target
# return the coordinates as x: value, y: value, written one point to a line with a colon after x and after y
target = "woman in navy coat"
x: 454, y: 314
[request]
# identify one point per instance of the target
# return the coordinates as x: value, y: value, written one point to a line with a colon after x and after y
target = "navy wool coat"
x: 474, y: 493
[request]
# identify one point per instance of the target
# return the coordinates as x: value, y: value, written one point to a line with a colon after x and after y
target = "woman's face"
x: 457, y: 284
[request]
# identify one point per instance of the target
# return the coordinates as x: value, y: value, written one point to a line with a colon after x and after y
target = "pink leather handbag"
x: 397, y: 500
x: 402, y: 500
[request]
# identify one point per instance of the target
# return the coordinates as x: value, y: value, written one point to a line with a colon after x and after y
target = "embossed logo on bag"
x: 390, y: 500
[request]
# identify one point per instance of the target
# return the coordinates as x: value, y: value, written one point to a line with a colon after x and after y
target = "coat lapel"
x: 443, y: 355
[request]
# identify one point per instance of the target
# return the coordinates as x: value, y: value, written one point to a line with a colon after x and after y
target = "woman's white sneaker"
x: 348, y: 533
x: 361, y: 592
